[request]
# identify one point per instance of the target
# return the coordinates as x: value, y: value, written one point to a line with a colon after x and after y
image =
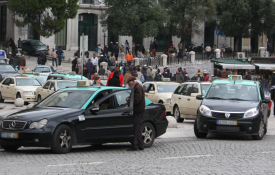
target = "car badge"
x: 227, y: 115
x: 12, y: 124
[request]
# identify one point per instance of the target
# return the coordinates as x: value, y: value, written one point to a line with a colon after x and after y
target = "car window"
x: 52, y: 86
x: 55, y: 78
x: 145, y: 87
x: 187, y: 89
x: 46, y: 86
x: 178, y: 90
x: 28, y: 43
x: 121, y: 99
x: 11, y: 81
x: 24, y: 42
x: 166, y: 88
x: 37, y: 43
x: 42, y: 80
x: 99, y: 96
x: 195, y: 89
x: 6, y: 82
x: 27, y: 82
x: 6, y: 68
x: 42, y: 69
x: 204, y: 88
x: 151, y: 87
x: 64, y: 84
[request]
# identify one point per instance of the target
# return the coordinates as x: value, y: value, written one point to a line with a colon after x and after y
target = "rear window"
x: 42, y: 69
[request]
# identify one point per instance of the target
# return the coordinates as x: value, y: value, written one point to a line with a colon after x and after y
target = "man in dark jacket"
x: 59, y: 53
x: 179, y: 77
x: 114, y: 81
x: 43, y: 58
x: 218, y: 73
x: 116, y: 50
x: 101, y: 70
x: 139, y: 108
x: 89, y: 66
x: 247, y: 76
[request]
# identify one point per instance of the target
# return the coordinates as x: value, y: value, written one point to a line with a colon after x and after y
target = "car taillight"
x: 164, y: 114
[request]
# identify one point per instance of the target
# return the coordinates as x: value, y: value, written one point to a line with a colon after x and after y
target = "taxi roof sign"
x: 235, y: 77
x: 83, y: 83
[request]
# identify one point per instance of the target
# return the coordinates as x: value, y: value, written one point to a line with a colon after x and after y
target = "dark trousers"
x: 59, y: 60
x: 137, y: 141
x: 54, y: 60
x: 129, y: 63
x: 116, y: 55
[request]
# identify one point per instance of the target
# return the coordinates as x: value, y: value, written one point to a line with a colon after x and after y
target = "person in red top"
x: 171, y: 44
x: 206, y: 76
x: 112, y: 74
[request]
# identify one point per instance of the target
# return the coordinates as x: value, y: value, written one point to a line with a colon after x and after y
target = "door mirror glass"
x: 266, y: 100
x: 94, y: 109
x: 151, y: 92
x: 199, y: 97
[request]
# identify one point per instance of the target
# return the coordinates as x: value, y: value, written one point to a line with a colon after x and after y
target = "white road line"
x: 267, y: 152
x: 73, y: 164
x: 196, y: 156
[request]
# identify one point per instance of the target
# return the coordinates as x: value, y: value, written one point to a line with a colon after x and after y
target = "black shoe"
x: 131, y: 149
x: 141, y: 149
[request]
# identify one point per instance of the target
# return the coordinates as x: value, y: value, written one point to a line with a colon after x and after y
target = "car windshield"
x: 55, y: 77
x: 204, y: 88
x: 6, y: 68
x: 64, y: 84
x: 66, y: 99
x: 37, y: 43
x: 167, y: 88
x: 42, y: 69
x: 27, y: 82
x: 233, y: 92
x: 41, y: 80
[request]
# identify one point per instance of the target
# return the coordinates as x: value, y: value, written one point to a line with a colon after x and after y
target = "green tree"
x: 187, y: 15
x: 242, y: 18
x: 137, y: 18
x: 46, y: 17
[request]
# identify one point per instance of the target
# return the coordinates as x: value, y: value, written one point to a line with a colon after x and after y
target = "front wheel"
x: 62, y: 140
x: 148, y: 134
x: 197, y: 133
x: 261, y: 132
x: 9, y: 147
x: 38, y: 98
x: 177, y: 114
x: 1, y: 98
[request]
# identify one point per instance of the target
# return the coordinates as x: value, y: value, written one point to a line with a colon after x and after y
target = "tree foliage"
x: 137, y: 18
x: 47, y: 17
x: 242, y: 18
x: 187, y: 15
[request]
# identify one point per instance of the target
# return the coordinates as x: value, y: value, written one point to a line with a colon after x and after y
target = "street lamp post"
x: 104, y: 26
x: 262, y: 21
x: 218, y: 22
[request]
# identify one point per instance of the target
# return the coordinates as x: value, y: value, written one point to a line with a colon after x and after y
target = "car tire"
x: 160, y: 102
x: 9, y: 148
x: 148, y: 134
x: 197, y: 133
x: 261, y: 131
x: 38, y: 98
x: 177, y: 114
x: 18, y: 95
x: 62, y: 140
x: 1, y: 98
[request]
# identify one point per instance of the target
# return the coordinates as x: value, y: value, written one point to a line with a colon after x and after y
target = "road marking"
x: 267, y: 152
x: 196, y: 156
x: 73, y: 164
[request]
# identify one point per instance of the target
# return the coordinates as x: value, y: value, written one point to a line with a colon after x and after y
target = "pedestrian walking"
x: 115, y: 81
x: 89, y: 66
x: 122, y: 51
x: 116, y: 50
x: 179, y: 77
x: 149, y: 74
x: 206, y: 76
x: 112, y: 74
x: 112, y: 48
x: 127, y: 75
x: 152, y: 47
x: 43, y: 58
x: 101, y: 70
x: 139, y: 108
x: 129, y: 58
x: 199, y: 74
x: 113, y: 60
x: 218, y: 74
x: 59, y: 53
x: 94, y: 60
x: 13, y: 47
x: 54, y: 55
x: 74, y: 63
x: 127, y: 46
x: 22, y: 64
x: 19, y: 43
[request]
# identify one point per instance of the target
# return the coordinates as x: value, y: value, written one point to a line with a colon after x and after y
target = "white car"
x: 23, y: 87
x: 160, y: 92
x: 51, y: 86
x: 44, y: 70
x: 183, y: 103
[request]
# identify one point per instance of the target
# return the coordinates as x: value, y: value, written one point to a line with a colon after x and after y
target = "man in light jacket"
x: 149, y: 74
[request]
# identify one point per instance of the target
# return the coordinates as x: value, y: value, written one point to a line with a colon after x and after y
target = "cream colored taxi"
x: 160, y: 92
x: 23, y: 87
x: 51, y: 86
x: 183, y: 103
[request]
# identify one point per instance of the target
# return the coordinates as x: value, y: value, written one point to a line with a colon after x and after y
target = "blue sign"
x: 2, y: 55
x: 223, y: 33
x: 218, y: 32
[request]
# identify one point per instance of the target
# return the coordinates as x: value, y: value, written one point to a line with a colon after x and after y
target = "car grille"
x: 232, y: 115
x: 228, y: 128
x: 13, y: 124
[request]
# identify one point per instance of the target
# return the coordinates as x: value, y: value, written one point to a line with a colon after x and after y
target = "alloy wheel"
x: 176, y: 115
x: 147, y: 134
x: 65, y: 140
x: 261, y: 129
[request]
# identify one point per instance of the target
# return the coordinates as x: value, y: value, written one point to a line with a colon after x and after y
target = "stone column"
x: 192, y: 54
x: 164, y: 59
x: 218, y: 53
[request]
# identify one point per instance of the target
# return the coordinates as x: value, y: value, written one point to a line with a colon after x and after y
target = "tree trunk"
x: 237, y: 45
x: 183, y: 46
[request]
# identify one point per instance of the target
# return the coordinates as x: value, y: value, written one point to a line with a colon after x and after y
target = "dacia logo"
x: 227, y: 115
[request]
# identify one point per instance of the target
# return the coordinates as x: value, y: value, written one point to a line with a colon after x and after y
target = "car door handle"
x: 179, y: 98
x: 127, y: 113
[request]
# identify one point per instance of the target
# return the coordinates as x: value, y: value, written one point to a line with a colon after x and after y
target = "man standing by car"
x: 43, y: 58
x: 22, y: 64
x: 139, y: 108
x: 59, y: 53
x: 89, y: 66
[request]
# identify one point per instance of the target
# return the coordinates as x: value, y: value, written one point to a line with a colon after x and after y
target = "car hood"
x: 229, y: 105
x: 36, y: 114
x: 41, y: 47
x: 27, y: 88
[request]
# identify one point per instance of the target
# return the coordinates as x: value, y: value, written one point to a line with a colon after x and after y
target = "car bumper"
x: 36, y: 138
x: 161, y: 127
x: 248, y: 126
x: 28, y: 98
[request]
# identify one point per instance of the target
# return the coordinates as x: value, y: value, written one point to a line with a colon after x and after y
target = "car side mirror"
x: 266, y: 100
x: 151, y: 92
x: 199, y: 97
x: 12, y: 85
x: 94, y: 109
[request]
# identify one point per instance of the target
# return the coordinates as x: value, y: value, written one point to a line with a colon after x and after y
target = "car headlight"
x: 38, y: 125
x: 27, y: 93
x: 205, y: 111
x: 168, y: 100
x: 251, y: 113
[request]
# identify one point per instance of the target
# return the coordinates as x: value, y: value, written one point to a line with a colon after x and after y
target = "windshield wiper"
x: 58, y: 106
x: 215, y: 98
x: 238, y: 99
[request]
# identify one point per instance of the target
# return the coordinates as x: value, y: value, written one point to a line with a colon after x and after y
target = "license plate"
x: 226, y: 122
x: 9, y: 135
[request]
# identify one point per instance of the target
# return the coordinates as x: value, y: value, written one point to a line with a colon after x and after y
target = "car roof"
x: 243, y: 82
x: 25, y: 77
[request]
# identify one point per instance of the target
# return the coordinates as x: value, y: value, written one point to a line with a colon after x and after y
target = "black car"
x: 80, y: 116
x: 6, y: 70
x: 34, y: 47
x: 233, y: 107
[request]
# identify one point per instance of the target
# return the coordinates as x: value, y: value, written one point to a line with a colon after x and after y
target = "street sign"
x: 2, y: 55
x: 85, y: 47
x: 218, y: 32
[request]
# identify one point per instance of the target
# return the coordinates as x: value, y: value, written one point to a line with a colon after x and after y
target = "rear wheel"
x: 148, y: 134
x: 1, y: 98
x: 9, y: 147
x: 177, y: 114
x: 261, y: 132
x: 62, y: 140
x: 197, y: 133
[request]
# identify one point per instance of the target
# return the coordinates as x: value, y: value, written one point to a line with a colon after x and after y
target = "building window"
x: 3, y: 22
